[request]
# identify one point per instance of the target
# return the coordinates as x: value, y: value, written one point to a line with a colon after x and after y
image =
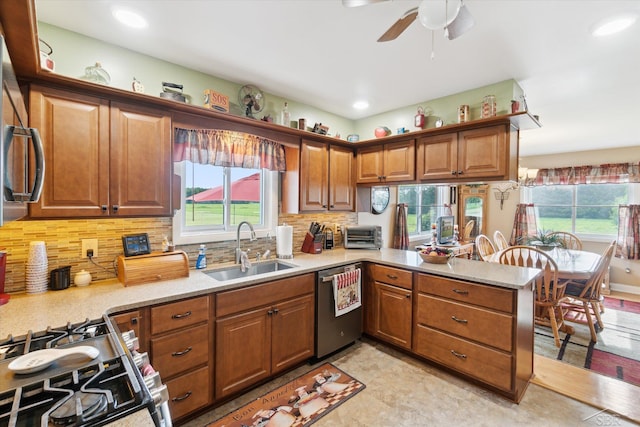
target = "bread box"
x: 153, y: 267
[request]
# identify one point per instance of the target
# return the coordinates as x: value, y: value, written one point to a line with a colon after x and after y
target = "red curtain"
x: 400, y: 231
x: 524, y: 224
x: 228, y: 148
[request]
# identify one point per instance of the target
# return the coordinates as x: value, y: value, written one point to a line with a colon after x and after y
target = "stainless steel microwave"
x: 363, y: 237
x: 15, y: 139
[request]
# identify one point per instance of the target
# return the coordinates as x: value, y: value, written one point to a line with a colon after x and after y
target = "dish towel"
x: 347, y: 291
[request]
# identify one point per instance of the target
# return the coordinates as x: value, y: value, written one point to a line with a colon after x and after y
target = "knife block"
x: 310, y: 246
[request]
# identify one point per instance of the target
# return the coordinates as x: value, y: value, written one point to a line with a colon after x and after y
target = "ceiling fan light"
x: 462, y: 23
x: 437, y: 14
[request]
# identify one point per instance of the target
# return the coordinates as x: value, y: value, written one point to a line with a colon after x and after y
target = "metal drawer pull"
x: 459, y: 320
x: 181, y: 316
x: 458, y: 355
x: 392, y: 276
x: 182, y: 353
x: 461, y: 292
x: 183, y: 397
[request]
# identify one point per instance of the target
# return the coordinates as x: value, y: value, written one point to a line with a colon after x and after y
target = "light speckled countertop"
x: 54, y: 308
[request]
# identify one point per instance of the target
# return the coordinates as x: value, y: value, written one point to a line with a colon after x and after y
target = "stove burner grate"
x: 83, y: 405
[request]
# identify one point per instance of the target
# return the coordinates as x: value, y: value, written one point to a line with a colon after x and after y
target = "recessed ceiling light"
x: 613, y: 25
x: 360, y: 105
x: 129, y: 18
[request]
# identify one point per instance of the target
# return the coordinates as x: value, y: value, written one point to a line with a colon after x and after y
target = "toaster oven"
x: 363, y: 237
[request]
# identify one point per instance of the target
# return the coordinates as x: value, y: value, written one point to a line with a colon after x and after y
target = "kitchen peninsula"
x: 489, y: 294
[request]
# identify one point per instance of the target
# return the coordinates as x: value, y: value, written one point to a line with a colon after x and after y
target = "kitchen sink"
x: 234, y: 271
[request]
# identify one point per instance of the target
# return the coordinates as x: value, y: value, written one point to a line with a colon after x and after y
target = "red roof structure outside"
x: 245, y: 189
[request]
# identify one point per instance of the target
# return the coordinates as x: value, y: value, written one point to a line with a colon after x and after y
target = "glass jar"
x: 488, y: 106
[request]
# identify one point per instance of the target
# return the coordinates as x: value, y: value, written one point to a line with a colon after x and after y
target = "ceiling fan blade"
x: 400, y: 25
x: 462, y: 23
x: 358, y: 3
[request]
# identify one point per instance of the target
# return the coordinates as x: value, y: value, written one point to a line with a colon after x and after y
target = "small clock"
x: 379, y: 199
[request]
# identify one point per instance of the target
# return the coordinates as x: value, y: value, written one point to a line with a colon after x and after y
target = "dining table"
x: 572, y: 264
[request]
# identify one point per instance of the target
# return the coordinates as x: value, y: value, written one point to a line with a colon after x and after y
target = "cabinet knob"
x: 332, y: 206
x: 460, y: 172
x: 115, y: 208
x: 270, y: 312
x: 458, y: 355
x: 103, y: 208
x: 459, y: 320
x: 453, y: 172
x: 181, y: 315
x: 408, y: 295
x: 276, y: 311
x: 324, y: 206
x: 460, y: 292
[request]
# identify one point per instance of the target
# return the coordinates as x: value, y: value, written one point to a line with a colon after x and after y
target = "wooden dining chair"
x: 484, y: 247
x: 585, y: 295
x: 500, y: 241
x: 468, y: 228
x: 549, y: 293
x: 570, y: 240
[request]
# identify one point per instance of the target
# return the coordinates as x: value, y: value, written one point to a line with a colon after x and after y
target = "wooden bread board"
x: 154, y: 267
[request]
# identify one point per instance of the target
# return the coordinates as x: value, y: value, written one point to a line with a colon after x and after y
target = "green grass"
x: 212, y: 213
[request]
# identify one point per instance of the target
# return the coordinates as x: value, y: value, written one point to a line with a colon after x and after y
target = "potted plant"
x: 544, y: 240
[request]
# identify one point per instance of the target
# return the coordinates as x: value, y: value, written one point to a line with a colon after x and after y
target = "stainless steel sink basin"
x: 234, y: 271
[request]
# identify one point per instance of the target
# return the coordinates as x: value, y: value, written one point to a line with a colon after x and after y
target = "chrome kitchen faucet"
x: 252, y: 237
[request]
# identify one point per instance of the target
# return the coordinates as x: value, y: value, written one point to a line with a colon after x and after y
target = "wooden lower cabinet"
x: 262, y: 330
x: 388, y: 311
x: 483, y: 332
x: 181, y: 350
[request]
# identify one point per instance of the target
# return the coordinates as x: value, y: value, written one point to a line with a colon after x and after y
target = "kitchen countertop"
x: 54, y: 308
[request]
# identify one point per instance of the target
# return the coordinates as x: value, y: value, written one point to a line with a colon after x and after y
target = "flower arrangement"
x: 545, y: 240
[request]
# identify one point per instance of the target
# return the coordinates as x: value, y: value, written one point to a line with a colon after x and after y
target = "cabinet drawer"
x: 189, y: 392
x: 180, y: 351
x: 239, y: 300
x: 392, y: 276
x: 179, y: 314
x: 485, y: 296
x: 491, y: 366
x: 487, y: 327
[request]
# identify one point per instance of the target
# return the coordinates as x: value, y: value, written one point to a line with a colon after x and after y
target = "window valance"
x: 228, y: 148
x: 611, y: 173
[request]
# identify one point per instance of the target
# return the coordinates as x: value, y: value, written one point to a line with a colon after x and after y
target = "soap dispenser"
x: 201, y: 262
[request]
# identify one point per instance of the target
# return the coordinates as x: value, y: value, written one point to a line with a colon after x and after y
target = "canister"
x: 488, y: 106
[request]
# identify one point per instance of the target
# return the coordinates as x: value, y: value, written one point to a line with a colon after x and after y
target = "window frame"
x: 633, y: 192
x: 443, y: 194
x: 204, y: 234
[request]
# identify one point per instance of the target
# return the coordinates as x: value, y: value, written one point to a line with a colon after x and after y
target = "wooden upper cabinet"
x: 392, y: 162
x: 75, y: 135
x: 326, y: 177
x: 141, y: 161
x: 482, y: 153
x: 102, y: 158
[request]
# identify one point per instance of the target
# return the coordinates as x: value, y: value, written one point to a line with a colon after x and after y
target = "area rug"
x: 300, y: 402
x: 617, y: 352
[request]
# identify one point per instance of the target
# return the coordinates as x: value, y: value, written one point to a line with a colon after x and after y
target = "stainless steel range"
x: 78, y: 390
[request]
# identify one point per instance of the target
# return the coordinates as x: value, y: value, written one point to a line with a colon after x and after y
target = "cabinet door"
x: 132, y: 321
x: 243, y: 351
x: 313, y: 177
x: 399, y: 161
x: 75, y: 134
x: 393, y: 314
x: 483, y: 153
x: 141, y: 161
x: 369, y: 165
x: 438, y: 157
x: 292, y: 332
x: 341, y: 182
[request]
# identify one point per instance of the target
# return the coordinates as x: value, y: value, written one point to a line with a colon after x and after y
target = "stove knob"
x: 131, y: 341
x: 141, y: 360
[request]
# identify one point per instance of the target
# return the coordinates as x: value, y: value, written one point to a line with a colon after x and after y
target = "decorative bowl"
x: 442, y: 257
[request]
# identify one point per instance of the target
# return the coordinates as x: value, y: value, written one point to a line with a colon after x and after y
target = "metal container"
x: 60, y: 278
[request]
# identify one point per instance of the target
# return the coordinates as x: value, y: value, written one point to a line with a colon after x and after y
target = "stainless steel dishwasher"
x: 333, y: 333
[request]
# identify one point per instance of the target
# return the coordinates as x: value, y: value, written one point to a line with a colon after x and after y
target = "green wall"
x: 73, y: 52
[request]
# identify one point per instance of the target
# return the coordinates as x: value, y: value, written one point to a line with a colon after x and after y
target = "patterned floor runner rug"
x: 617, y: 352
x: 300, y: 402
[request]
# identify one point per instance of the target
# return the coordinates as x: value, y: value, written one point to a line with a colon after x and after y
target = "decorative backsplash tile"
x: 63, y: 239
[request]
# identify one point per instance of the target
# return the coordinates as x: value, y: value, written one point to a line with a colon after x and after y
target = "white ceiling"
x: 585, y: 90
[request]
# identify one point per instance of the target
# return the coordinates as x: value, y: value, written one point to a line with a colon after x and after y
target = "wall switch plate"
x: 89, y: 244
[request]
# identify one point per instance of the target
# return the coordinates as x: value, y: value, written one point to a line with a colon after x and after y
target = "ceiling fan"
x: 450, y: 15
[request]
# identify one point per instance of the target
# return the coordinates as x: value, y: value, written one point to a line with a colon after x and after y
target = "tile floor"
x: 402, y: 391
